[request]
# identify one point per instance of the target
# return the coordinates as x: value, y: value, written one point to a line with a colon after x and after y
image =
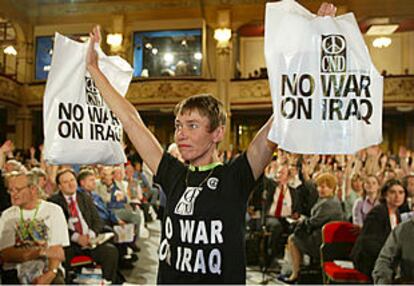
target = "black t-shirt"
x: 202, y: 238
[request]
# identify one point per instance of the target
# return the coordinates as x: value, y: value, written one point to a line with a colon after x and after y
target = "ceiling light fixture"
x: 375, y: 30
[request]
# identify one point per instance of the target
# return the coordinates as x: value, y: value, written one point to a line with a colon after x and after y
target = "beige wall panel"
x: 409, y: 52
x: 251, y: 55
x: 389, y: 58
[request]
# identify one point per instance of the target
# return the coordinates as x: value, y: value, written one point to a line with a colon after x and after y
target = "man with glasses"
x: 32, y: 234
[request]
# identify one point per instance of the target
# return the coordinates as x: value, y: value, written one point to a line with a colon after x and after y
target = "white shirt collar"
x: 73, y: 197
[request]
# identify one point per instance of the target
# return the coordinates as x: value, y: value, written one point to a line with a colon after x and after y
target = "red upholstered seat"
x: 340, y: 231
x: 338, y: 238
x: 337, y: 273
x: 81, y: 260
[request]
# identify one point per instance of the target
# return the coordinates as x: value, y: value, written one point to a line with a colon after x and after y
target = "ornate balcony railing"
x: 162, y: 93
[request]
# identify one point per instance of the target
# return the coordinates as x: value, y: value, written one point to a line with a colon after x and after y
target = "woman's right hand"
x: 92, y: 56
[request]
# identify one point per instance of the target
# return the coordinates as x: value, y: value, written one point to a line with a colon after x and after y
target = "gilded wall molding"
x: 151, y: 91
x: 397, y: 90
x: 242, y: 90
x: 34, y: 94
x: 167, y: 90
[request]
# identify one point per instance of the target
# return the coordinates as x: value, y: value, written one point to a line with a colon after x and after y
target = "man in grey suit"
x: 84, y: 224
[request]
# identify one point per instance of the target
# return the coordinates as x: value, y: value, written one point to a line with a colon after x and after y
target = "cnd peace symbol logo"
x: 333, y: 54
x: 93, y: 97
x: 333, y: 44
x: 212, y: 183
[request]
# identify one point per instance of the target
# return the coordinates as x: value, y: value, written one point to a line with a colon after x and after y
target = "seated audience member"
x: 117, y: 201
x: 279, y: 205
x: 118, y: 179
x: 377, y: 226
x: 353, y: 191
x: 144, y: 175
x: 307, y: 237
x: 84, y: 224
x: 398, y: 252
x: 104, y: 184
x: 369, y: 199
x: 13, y: 165
x: 32, y: 235
x: 134, y: 190
x: 41, y: 174
x: 408, y: 183
x: 87, y: 182
x: 7, y: 165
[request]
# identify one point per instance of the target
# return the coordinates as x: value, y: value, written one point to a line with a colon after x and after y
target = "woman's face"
x: 371, y: 186
x: 357, y: 185
x: 393, y: 164
x: 325, y: 191
x: 195, y: 141
x: 395, y: 196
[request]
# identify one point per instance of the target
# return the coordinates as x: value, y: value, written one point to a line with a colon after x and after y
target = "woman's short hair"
x: 327, y: 178
x: 207, y: 105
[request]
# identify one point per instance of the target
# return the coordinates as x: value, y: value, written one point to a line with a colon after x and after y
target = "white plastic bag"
x: 78, y: 126
x: 326, y: 93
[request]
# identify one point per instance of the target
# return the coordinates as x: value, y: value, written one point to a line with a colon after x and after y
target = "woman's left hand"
x: 327, y: 9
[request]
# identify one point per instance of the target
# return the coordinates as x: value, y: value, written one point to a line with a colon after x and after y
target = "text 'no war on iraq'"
x: 343, y: 96
x: 104, y: 125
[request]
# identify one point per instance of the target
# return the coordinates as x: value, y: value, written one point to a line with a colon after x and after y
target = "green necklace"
x: 27, y: 230
x: 205, y: 167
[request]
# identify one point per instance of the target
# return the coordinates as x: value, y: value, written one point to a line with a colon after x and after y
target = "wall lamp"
x: 10, y: 50
x: 223, y: 36
x: 114, y: 40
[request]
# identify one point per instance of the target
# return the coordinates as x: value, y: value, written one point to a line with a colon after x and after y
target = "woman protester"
x: 202, y: 238
x: 203, y: 231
